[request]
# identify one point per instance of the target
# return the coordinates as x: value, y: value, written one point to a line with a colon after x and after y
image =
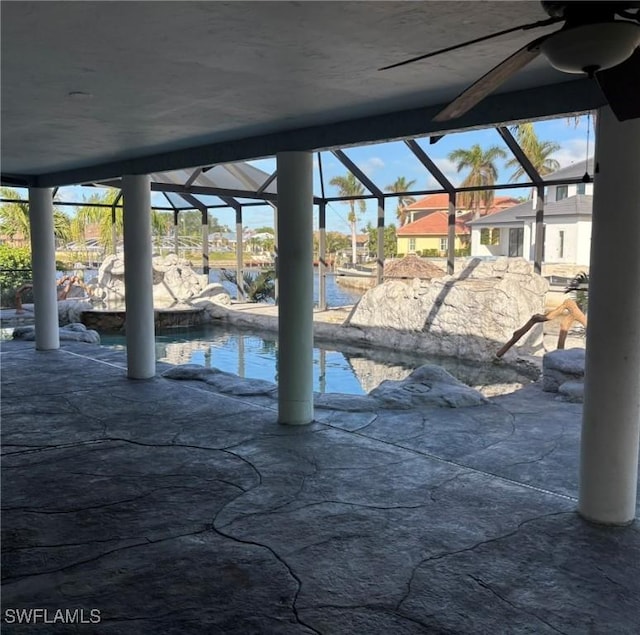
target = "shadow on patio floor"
x: 170, y: 508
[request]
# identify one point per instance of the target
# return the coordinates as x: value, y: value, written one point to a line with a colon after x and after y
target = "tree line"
x: 73, y: 226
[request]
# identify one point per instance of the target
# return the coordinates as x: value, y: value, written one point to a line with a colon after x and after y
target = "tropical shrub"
x: 580, y: 287
x: 257, y: 288
x: 15, y: 270
x: 14, y: 219
x: 390, y: 241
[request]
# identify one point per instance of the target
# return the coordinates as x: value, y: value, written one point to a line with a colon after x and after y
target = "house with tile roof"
x: 362, y: 249
x: 440, y: 203
x: 567, y: 223
x: 430, y: 234
x: 428, y: 231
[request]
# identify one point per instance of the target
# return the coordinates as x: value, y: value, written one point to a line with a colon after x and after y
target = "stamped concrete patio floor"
x: 171, y: 508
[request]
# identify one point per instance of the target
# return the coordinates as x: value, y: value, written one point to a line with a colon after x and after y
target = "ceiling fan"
x: 599, y: 39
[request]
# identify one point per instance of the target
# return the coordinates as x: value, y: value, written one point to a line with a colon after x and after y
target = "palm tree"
x: 334, y: 242
x: 160, y: 223
x: 538, y: 152
x: 400, y: 186
x: 14, y: 219
x: 92, y: 214
x: 350, y: 186
x: 256, y: 288
x: 482, y: 171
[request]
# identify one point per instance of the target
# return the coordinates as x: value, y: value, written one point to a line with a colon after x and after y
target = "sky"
x: 385, y: 162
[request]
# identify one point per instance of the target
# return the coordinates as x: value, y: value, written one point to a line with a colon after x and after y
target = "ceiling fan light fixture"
x: 591, y: 47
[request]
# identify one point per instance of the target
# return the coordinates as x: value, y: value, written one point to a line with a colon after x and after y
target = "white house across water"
x: 567, y: 223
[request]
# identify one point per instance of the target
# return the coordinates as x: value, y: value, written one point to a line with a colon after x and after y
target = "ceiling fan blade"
x: 620, y: 86
x: 521, y: 27
x: 499, y: 74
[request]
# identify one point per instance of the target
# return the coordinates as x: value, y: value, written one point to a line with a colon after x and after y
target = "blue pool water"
x: 350, y: 370
x: 251, y: 355
x: 336, y: 368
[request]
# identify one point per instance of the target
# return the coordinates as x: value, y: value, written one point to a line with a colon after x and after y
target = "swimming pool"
x: 351, y: 370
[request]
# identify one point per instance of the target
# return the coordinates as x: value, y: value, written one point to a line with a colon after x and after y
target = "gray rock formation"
x: 572, y: 391
x: 470, y: 314
x: 174, y: 283
x: 222, y: 381
x: 345, y: 403
x: 75, y: 332
x: 428, y: 385
x: 561, y: 366
x: 70, y: 311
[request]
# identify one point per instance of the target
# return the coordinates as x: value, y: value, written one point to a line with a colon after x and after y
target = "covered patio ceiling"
x: 94, y: 90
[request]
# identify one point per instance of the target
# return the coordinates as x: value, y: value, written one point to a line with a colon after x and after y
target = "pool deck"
x: 172, y: 508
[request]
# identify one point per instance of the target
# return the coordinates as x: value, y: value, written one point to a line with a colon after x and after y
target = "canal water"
x: 336, y: 295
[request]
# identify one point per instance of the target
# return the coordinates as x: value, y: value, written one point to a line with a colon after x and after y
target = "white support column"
x: 527, y: 243
x: 295, y: 255
x: 611, y: 419
x: 476, y: 247
x: 43, y: 258
x: 138, y: 277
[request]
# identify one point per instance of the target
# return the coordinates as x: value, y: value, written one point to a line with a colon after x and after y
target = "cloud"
x: 371, y: 165
x: 572, y: 151
x: 450, y: 171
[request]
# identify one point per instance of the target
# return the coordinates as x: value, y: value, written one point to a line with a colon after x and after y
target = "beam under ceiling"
x: 545, y: 102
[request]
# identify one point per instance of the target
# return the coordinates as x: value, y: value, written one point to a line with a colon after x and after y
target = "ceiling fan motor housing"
x: 587, y: 48
x: 600, y: 39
